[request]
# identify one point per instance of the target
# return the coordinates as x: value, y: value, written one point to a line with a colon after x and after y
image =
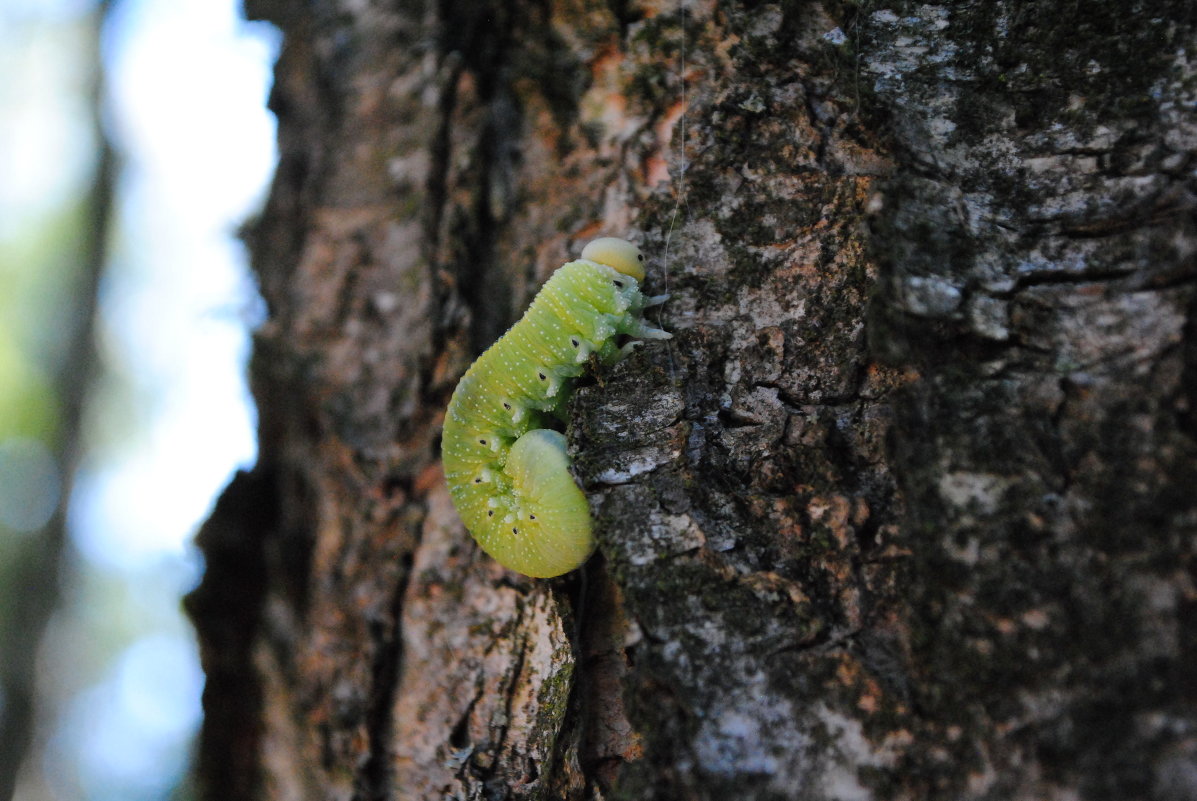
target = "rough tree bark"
x: 906, y: 510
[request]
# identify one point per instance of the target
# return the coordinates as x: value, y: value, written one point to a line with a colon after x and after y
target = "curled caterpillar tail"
x: 508, y: 476
x: 544, y: 530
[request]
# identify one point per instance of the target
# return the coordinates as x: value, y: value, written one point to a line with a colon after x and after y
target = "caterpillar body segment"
x: 507, y: 473
x: 542, y: 528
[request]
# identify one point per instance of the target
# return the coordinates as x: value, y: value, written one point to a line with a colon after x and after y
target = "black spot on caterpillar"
x: 501, y: 463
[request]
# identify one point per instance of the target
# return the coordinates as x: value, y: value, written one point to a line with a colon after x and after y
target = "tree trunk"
x: 907, y: 509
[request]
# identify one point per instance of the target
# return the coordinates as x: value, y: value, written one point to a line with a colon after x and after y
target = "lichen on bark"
x: 1037, y: 273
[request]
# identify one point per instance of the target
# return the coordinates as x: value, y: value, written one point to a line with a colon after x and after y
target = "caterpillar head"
x: 618, y: 254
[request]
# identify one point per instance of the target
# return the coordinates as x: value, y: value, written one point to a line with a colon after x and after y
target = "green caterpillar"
x: 507, y: 473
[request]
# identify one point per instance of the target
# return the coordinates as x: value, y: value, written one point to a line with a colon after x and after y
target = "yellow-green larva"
x: 507, y: 472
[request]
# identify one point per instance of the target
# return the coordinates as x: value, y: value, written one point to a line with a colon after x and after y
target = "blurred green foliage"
x: 38, y: 269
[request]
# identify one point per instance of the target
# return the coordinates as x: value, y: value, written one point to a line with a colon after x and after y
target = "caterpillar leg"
x: 639, y: 328
x: 545, y: 530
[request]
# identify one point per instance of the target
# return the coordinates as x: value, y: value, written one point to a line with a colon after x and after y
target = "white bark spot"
x: 978, y: 492
x: 929, y: 296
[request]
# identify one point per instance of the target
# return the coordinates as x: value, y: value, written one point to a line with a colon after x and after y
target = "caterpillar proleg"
x: 507, y: 472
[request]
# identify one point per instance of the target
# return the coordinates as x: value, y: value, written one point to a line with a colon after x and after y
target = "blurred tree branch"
x: 36, y: 571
